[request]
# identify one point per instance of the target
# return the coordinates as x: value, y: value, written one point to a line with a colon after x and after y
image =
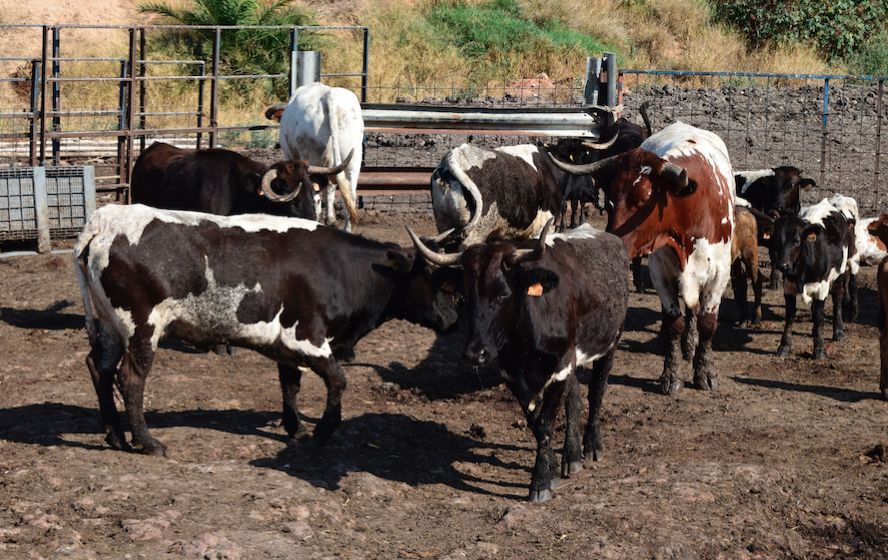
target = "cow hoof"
x: 594, y: 455
x: 540, y: 496
x: 838, y: 336
x: 885, y: 393
x: 154, y: 448
x: 570, y: 468
x: 117, y: 442
x: 783, y: 351
x: 819, y: 354
x: 670, y: 386
x: 705, y: 382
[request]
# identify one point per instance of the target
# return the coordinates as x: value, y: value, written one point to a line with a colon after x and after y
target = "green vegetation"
x: 242, y: 51
x: 842, y: 30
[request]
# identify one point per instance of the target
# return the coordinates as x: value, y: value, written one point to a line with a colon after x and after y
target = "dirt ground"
x: 433, y: 458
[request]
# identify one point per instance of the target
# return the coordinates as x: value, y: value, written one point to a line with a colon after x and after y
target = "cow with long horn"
x: 226, y: 183
x: 506, y: 193
x: 541, y: 308
x: 673, y: 198
x: 323, y: 125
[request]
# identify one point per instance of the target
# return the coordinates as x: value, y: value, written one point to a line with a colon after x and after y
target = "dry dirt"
x: 433, y: 458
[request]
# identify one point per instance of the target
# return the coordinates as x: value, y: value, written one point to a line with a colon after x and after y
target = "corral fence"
x: 829, y: 126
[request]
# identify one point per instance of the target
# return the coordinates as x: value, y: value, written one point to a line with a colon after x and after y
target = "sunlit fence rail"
x: 830, y: 126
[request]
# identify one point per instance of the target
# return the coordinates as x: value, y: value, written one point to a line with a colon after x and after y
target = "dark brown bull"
x: 879, y: 228
x: 223, y: 182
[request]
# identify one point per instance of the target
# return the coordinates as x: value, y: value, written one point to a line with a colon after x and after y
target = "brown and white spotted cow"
x: 297, y: 292
x: 673, y: 198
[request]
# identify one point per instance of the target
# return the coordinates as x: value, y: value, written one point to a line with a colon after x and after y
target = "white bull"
x: 323, y: 125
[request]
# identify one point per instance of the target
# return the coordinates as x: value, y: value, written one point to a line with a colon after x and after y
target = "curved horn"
x: 441, y: 236
x: 602, y: 145
x: 270, y: 176
x: 269, y: 113
x: 537, y: 252
x: 448, y: 259
x: 676, y: 174
x: 318, y: 170
x: 585, y: 169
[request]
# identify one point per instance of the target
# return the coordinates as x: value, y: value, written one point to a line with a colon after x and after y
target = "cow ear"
x: 399, y: 261
x: 807, y: 183
x: 537, y: 281
x: 253, y: 182
x: 811, y: 233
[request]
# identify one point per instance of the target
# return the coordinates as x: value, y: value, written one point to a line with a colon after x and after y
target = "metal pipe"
x: 121, y: 122
x: 611, y: 65
x: 294, y: 47
x: 142, y: 118
x: 56, y: 92
x: 200, y: 102
x: 878, y: 139
x: 365, y: 66
x: 824, y: 131
x: 44, y: 55
x: 214, y: 87
x: 130, y: 109
x: 32, y: 119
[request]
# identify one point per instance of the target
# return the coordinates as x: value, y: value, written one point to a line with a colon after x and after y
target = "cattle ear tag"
x: 811, y: 236
x: 766, y: 235
x: 535, y: 290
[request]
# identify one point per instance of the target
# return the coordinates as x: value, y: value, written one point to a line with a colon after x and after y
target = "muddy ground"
x: 433, y: 458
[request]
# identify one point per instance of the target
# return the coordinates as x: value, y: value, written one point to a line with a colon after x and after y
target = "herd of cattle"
x: 223, y: 250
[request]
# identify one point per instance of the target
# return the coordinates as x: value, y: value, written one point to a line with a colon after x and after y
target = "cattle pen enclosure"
x: 787, y: 459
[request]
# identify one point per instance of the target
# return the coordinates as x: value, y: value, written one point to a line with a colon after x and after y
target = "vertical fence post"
x: 142, y: 93
x: 590, y: 89
x: 121, y: 125
x: 878, y: 139
x: 44, y: 56
x: 56, y: 95
x: 824, y: 131
x: 200, y: 101
x: 611, y: 61
x: 34, y: 116
x: 294, y: 48
x: 214, y: 87
x: 130, y: 110
x: 365, y: 68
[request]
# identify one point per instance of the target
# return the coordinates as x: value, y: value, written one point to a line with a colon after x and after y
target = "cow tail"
x: 81, y: 269
x: 457, y: 169
x: 344, y: 187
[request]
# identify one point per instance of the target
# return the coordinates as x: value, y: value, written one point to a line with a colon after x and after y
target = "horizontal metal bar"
x: 253, y: 76
x: 167, y: 113
x: 340, y: 74
x: 85, y: 59
x: 18, y: 58
x: 25, y: 114
x: 209, y: 27
x: 692, y: 73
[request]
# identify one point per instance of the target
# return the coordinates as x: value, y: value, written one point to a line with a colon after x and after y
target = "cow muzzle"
x: 476, y: 354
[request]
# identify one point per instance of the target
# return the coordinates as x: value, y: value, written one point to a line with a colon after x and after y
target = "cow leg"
x: 330, y: 200
x: 705, y: 376
x: 738, y: 284
x: 755, y: 275
x: 775, y: 273
x: 328, y: 369
x: 102, y: 364
x: 563, y: 216
x: 131, y: 376
x: 786, y: 341
x: 664, y: 268
x: 575, y: 217
x: 572, y: 457
x: 817, y: 313
x: 691, y: 336
x: 851, y: 310
x: 592, y: 446
x: 291, y: 382
x: 543, y: 479
x: 838, y: 296
x: 637, y: 275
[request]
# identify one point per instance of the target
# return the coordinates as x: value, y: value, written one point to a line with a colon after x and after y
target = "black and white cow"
x: 506, y: 193
x: 772, y: 192
x: 813, y: 252
x: 542, y: 308
x: 300, y: 293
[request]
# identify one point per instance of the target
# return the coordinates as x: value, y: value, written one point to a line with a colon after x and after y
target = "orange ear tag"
x: 535, y: 290
x: 766, y: 235
x: 812, y: 236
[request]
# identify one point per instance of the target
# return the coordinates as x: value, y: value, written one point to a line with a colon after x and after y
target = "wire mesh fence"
x: 828, y: 126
